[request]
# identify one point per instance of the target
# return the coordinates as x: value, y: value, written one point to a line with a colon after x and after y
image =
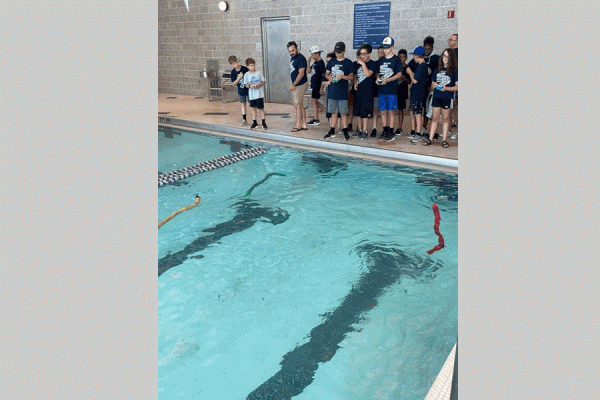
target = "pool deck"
x: 198, y: 113
x: 224, y: 118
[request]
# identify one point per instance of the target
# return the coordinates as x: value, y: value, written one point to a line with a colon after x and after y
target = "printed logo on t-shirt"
x: 442, y: 79
x: 337, y: 70
x: 291, y: 65
x: 385, y: 71
x: 360, y: 74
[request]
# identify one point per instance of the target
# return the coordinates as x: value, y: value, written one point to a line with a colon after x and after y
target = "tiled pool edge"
x: 361, y: 150
x: 441, y: 388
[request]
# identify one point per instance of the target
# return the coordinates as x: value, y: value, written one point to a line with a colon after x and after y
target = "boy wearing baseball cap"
x: 388, y: 71
x: 338, y: 72
x: 418, y: 92
x: 318, y: 66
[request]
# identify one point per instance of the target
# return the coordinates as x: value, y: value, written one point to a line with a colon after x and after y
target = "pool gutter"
x: 447, y: 164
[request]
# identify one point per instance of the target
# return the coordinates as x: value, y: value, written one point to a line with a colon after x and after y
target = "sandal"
x: 445, y: 144
x: 294, y: 129
x: 426, y: 142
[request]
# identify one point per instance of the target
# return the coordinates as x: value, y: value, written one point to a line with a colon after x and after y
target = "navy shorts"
x: 442, y: 103
x: 258, y: 103
x: 316, y: 93
x: 362, y: 108
x: 242, y: 98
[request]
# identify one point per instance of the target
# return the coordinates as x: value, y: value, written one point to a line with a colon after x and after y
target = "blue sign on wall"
x: 371, y: 23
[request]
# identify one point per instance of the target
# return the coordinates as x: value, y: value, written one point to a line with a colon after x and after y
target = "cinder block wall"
x: 187, y: 40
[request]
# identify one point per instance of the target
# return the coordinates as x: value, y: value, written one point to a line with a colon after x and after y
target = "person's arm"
x: 239, y: 78
x: 262, y: 82
x: 301, y: 72
x: 366, y: 69
x: 411, y: 75
x: 450, y: 88
x: 391, y: 78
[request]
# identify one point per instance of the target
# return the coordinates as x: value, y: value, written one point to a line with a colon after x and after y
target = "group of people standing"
x: 365, y: 89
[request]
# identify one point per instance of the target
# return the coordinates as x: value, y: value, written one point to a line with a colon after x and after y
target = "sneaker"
x: 364, y: 135
x: 398, y: 132
x: 264, y: 125
x: 424, y: 132
x: 374, y: 133
x: 391, y: 136
x: 454, y: 136
x: 383, y: 135
x: 454, y: 125
x: 435, y: 136
x: 356, y: 134
x: 244, y: 123
x: 313, y: 122
x: 414, y: 139
x: 254, y: 125
x: 331, y: 133
x: 346, y: 136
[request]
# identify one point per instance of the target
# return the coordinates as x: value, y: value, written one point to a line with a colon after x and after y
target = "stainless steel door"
x: 276, y: 60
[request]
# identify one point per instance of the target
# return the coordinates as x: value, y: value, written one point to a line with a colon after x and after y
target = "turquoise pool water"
x: 315, y: 285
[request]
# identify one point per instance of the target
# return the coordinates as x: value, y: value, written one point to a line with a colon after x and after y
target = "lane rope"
x: 170, y: 217
x: 182, y: 173
x: 436, y: 229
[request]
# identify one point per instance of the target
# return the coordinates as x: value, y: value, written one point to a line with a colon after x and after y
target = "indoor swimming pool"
x: 301, y: 274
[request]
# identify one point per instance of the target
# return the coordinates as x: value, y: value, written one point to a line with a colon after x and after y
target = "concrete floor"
x: 225, y: 118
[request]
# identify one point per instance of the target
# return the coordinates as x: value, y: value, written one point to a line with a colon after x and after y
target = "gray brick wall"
x: 187, y: 40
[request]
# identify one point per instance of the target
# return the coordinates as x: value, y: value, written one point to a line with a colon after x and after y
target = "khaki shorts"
x: 298, y: 93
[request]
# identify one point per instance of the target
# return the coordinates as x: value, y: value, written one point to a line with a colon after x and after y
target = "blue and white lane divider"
x: 174, y: 176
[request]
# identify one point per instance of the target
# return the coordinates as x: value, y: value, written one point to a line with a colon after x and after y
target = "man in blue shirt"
x: 299, y: 85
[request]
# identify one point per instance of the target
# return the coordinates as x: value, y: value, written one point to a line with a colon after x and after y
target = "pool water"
x: 302, y: 275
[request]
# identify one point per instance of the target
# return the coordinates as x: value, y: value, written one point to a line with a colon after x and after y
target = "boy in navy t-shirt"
x: 237, y: 75
x: 363, y: 84
x: 338, y: 72
x: 318, y: 67
x: 389, y: 70
x: 418, y: 92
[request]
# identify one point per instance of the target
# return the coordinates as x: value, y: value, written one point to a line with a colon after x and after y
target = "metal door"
x: 276, y: 60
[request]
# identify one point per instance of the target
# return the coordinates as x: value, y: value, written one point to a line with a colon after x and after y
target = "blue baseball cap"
x: 419, y: 51
x: 388, y: 42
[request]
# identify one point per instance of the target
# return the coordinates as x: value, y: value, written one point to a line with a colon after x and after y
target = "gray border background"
x: 79, y: 214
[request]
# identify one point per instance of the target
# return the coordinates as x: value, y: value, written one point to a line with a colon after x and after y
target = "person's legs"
x: 315, y: 108
x: 383, y: 111
x: 419, y: 121
x: 434, y: 122
x: 446, y: 121
x: 253, y: 111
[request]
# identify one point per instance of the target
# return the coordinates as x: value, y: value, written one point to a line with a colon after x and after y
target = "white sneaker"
x: 244, y: 123
x: 454, y: 136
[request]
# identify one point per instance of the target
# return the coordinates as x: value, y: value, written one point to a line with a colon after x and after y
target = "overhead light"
x: 223, y: 6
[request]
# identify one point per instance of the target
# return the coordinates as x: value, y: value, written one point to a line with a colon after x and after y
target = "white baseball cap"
x: 315, y: 49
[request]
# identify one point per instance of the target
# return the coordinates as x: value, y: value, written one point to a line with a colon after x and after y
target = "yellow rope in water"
x: 170, y: 217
